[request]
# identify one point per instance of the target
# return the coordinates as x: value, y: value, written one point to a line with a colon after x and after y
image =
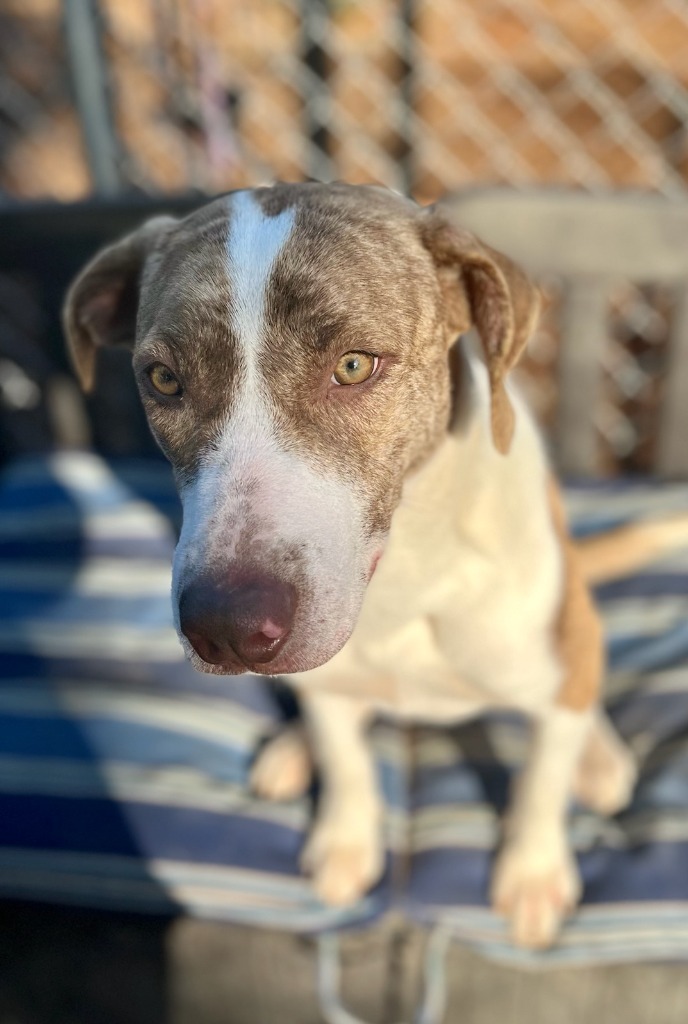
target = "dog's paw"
x: 535, y: 892
x: 605, y: 782
x: 283, y: 769
x: 344, y: 862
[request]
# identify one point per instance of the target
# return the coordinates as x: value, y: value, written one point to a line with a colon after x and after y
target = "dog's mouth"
x: 374, y: 564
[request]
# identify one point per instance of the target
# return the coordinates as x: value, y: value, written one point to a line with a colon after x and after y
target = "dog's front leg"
x: 536, y: 881
x: 344, y: 853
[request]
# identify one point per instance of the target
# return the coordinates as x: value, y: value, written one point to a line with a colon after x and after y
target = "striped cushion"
x: 123, y: 772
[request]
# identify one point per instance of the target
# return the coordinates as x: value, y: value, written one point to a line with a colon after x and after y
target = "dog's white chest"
x: 479, y: 641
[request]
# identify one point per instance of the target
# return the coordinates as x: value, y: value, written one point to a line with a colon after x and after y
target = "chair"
x: 592, y: 241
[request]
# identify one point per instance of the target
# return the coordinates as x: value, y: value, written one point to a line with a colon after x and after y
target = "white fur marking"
x: 254, y: 243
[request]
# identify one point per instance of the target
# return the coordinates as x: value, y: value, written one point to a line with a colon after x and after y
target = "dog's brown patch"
x: 578, y: 628
x: 482, y: 287
x: 184, y: 321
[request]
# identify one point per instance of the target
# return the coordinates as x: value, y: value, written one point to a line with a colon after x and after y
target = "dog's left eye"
x: 354, y: 368
x: 164, y: 381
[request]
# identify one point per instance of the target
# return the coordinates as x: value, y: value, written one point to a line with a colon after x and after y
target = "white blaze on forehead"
x: 254, y: 242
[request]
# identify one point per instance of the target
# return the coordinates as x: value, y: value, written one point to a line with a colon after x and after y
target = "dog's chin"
x: 291, y: 659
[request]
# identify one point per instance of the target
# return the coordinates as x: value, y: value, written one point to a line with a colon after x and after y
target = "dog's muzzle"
x: 245, y: 622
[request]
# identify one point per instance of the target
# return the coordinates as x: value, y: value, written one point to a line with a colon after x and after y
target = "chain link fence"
x: 425, y: 96
x: 421, y: 95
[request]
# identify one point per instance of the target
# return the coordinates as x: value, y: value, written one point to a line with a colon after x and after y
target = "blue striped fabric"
x: 123, y: 772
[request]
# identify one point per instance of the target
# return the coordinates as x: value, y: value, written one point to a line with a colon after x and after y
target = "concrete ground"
x: 70, y: 967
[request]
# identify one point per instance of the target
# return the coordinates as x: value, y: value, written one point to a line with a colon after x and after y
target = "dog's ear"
x: 482, y: 288
x: 102, y: 302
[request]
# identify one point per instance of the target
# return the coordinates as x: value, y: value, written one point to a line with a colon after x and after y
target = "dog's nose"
x: 250, y: 620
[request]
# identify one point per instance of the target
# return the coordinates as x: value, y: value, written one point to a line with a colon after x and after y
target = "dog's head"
x: 291, y: 351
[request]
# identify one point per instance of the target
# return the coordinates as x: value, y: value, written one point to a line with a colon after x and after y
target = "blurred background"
x: 424, y: 96
x: 559, y: 130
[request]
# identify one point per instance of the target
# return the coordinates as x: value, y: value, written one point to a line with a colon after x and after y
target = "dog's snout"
x: 248, y: 621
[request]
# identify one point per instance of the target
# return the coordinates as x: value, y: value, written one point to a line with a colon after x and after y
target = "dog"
x: 368, y: 506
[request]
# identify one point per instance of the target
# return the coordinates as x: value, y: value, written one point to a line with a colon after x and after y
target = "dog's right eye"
x: 164, y: 381
x: 354, y: 368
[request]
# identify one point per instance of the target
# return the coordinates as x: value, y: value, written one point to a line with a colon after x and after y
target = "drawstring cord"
x: 433, y: 1005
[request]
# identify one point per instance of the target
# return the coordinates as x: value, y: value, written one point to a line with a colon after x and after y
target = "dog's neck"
x: 466, y: 487
x: 466, y: 440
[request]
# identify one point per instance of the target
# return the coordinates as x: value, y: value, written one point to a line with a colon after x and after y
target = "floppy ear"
x: 102, y: 302
x: 484, y: 289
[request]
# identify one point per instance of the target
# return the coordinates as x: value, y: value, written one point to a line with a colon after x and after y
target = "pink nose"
x: 249, y: 621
